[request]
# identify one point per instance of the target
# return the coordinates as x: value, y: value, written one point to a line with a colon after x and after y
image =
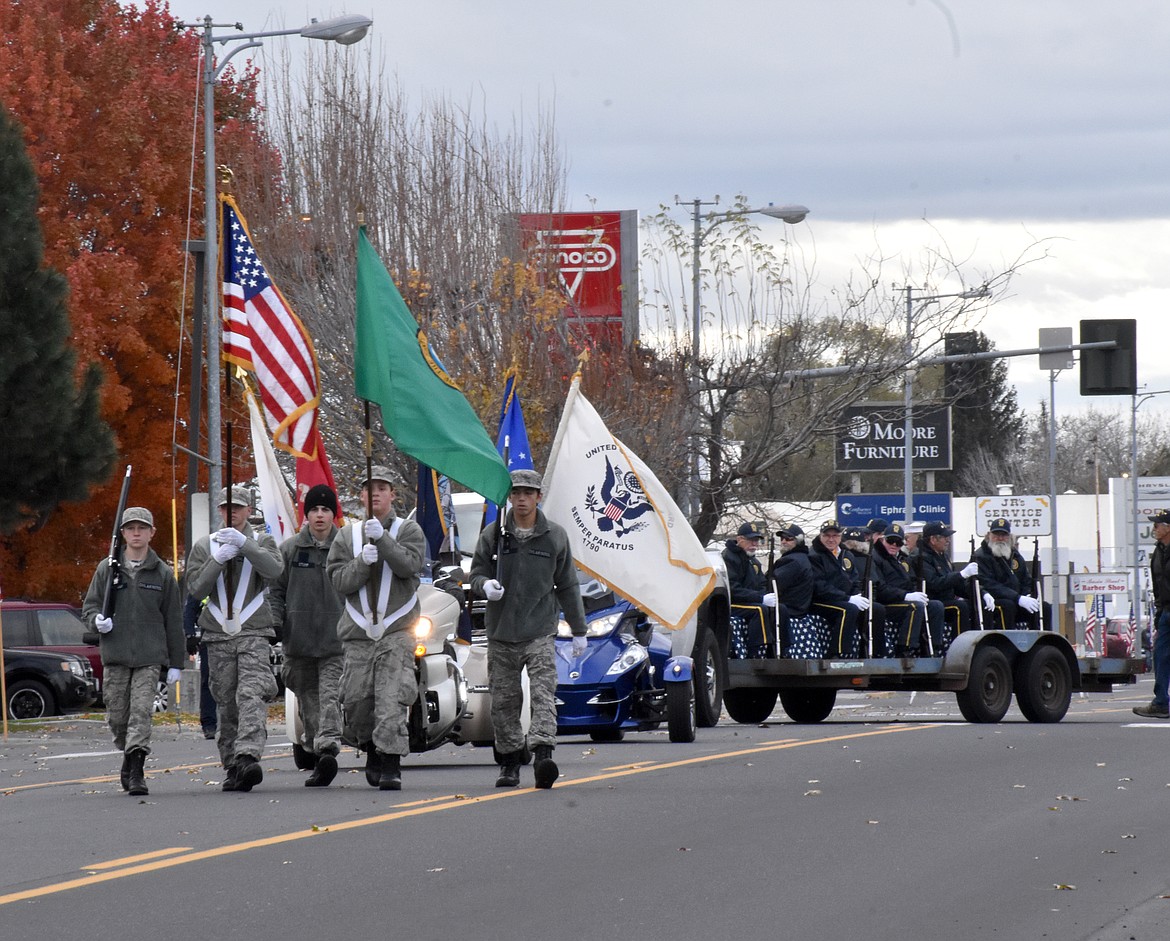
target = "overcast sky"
x: 987, y: 124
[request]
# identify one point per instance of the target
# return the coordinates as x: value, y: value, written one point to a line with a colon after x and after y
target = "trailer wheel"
x: 989, y: 687
x: 1043, y: 685
x: 808, y: 705
x: 708, y: 680
x: 680, y: 712
x: 749, y: 706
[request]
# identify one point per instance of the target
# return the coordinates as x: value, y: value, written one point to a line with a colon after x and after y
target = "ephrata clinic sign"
x: 874, y: 433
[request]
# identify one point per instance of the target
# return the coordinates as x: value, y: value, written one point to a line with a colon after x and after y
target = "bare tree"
x: 764, y: 329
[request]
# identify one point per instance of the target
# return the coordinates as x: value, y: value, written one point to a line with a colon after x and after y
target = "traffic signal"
x: 1109, y: 372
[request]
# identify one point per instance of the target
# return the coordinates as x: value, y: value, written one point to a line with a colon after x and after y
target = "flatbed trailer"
x: 982, y: 668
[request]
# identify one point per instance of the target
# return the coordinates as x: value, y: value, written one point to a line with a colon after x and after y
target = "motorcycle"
x: 627, y: 679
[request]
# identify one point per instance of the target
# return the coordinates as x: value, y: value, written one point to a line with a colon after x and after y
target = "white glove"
x: 988, y: 602
x: 373, y: 528
x: 493, y: 590
x: 971, y: 568
x: 370, y: 553
x: 224, y: 551
x: 173, y: 676
x: 769, y: 600
x: 860, y: 602
x: 916, y: 597
x: 579, y: 644
x: 103, y: 625
x: 230, y: 537
x: 1029, y: 604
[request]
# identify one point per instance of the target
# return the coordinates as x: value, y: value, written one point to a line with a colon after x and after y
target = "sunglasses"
x: 893, y: 541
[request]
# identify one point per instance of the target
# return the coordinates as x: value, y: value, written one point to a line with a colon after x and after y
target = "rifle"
x: 115, y: 563
x: 926, y: 624
x: 775, y: 589
x: 1038, y: 585
x: 867, y: 579
x: 976, y: 594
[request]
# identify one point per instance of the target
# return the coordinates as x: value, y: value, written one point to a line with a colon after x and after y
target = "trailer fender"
x: 1013, y: 645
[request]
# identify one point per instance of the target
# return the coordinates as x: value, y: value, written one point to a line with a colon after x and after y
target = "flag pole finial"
x: 582, y: 359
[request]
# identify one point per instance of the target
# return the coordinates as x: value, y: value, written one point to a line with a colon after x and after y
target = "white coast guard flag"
x: 623, y: 526
x: 280, y: 515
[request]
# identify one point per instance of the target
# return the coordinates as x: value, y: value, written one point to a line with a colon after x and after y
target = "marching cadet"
x: 307, y: 608
x: 374, y: 565
x: 238, y: 630
x: 144, y: 633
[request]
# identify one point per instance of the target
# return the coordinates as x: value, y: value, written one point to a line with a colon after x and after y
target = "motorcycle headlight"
x: 423, y: 628
x: 633, y: 655
x: 602, y: 627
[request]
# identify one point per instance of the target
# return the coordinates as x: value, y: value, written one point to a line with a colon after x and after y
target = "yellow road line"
x: 141, y: 857
x: 418, y: 808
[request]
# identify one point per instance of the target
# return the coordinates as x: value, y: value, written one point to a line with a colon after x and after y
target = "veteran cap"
x: 1000, y: 526
x: 1160, y: 516
x: 791, y: 531
x: 830, y: 526
x: 751, y: 531
x: 936, y: 528
x: 877, y: 525
x: 895, y: 534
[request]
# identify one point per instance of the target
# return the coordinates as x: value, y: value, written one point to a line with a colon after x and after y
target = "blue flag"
x: 512, y: 439
x: 430, y: 512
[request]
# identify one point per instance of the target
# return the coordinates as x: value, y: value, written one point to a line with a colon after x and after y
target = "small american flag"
x: 1091, y: 624
x: 263, y: 335
x: 1132, y: 627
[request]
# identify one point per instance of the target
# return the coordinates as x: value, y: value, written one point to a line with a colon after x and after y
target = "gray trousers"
x: 378, y: 687
x: 505, y: 662
x: 317, y: 683
x: 129, y: 695
x: 242, y: 683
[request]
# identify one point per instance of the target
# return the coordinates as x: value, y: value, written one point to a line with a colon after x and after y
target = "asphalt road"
x: 894, y: 819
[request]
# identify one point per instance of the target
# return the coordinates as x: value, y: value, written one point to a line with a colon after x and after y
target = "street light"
x: 908, y: 430
x: 792, y: 215
x: 345, y: 30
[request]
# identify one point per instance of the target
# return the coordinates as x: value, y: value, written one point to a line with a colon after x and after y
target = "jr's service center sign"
x: 874, y: 433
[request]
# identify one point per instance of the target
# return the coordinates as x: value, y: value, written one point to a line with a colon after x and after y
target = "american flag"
x: 1091, y: 624
x: 263, y: 335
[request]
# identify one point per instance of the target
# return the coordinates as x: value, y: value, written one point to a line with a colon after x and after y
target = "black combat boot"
x: 391, y: 779
x: 125, y: 775
x: 231, y: 780
x: 136, y: 779
x: 543, y: 767
x: 323, y: 772
x: 373, y: 765
x: 509, y: 770
x: 248, y: 773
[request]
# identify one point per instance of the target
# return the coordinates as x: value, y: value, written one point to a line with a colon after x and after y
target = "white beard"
x: 857, y: 548
x: 1001, y: 550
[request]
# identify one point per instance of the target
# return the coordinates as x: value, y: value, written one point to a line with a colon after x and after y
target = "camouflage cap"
x: 383, y: 473
x: 137, y: 514
x: 241, y: 496
x: 526, y: 477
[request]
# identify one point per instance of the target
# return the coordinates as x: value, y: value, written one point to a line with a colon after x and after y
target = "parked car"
x: 42, y: 683
x: 47, y: 625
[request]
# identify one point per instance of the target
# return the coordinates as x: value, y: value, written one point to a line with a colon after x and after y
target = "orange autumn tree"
x: 106, y: 98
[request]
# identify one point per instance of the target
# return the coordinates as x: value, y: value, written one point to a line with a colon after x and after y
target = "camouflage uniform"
x: 308, y: 608
x: 147, y: 635
x: 540, y: 580
x: 240, y: 671
x: 378, y: 683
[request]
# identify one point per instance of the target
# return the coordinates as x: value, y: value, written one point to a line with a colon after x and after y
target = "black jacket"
x: 893, y: 576
x: 1160, y: 576
x: 745, y: 575
x: 836, y: 578
x: 793, y: 576
x: 942, y: 581
x: 1003, y: 579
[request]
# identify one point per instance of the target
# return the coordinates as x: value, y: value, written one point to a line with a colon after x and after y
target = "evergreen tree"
x: 985, y: 416
x: 55, y: 444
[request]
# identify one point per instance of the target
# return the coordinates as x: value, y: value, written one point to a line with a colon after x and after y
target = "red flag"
x: 263, y: 335
x: 313, y: 472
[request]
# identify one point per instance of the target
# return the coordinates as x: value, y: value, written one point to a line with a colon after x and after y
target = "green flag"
x: 423, y: 410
